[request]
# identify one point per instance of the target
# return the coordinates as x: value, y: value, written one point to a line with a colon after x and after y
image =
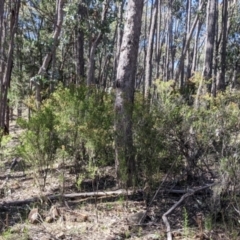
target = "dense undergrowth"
x: 196, y: 145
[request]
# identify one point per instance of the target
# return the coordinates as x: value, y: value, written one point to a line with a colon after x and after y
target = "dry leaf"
x: 33, y: 216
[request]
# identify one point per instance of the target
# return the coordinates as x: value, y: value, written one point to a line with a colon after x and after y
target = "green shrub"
x: 39, y: 141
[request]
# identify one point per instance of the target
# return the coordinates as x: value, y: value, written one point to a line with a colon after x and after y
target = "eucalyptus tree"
x: 186, y: 43
x: 36, y: 53
x: 221, y: 83
x: 148, y: 71
x: 79, y: 43
x: 209, y: 45
x: 196, y: 46
x: 233, y: 46
x: 52, y: 48
x: 100, y: 19
x: 158, y: 39
x: 2, y: 61
x: 119, y: 33
x: 1, y: 23
x: 124, y: 100
x: 9, y: 24
x: 209, y: 52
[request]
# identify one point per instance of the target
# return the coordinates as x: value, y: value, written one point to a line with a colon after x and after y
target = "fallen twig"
x: 189, y: 193
x: 156, y: 193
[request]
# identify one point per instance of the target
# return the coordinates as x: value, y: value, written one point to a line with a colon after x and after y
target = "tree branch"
x: 189, y: 193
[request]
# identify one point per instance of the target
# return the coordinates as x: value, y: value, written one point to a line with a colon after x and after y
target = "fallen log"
x: 5, y: 204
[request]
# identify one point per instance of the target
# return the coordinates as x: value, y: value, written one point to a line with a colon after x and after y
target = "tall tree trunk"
x: 148, y: 72
x: 120, y: 6
x: 161, y: 57
x: 209, y: 44
x: 2, y: 63
x: 80, y: 56
x: 95, y: 43
x: 221, y: 85
x: 5, y: 84
x: 180, y: 66
x: 158, y: 50
x: 124, y: 152
x: 189, y: 51
x: 80, y: 46
x: 1, y: 22
x: 167, y: 45
x: 215, y: 55
x: 47, y: 59
x: 145, y: 37
x: 195, y: 50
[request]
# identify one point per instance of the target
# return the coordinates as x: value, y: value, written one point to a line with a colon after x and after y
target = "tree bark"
x: 158, y: 50
x: 5, y: 83
x: 1, y: 22
x: 186, y: 45
x: 2, y: 64
x: 95, y: 43
x: 47, y: 59
x: 209, y: 44
x: 215, y: 55
x: 80, y: 47
x: 195, y: 50
x: 221, y: 85
x: 148, y: 72
x: 124, y: 153
x: 119, y: 36
x: 189, y: 52
x: 97, y: 194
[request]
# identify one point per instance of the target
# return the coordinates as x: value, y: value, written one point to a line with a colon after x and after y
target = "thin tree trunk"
x: 148, y: 75
x: 91, y: 62
x: 120, y: 6
x: 2, y: 2
x: 195, y: 50
x: 158, y: 50
x: 145, y: 46
x: 234, y: 76
x: 186, y: 45
x: 124, y: 152
x: 221, y: 74
x: 166, y: 64
x: 215, y: 57
x: 47, y: 59
x: 9, y: 64
x: 160, y: 56
x: 2, y: 63
x: 209, y: 45
x: 189, y: 52
x: 172, y: 50
x: 80, y: 48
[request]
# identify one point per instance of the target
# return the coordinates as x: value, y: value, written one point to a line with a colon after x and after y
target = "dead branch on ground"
x: 189, y: 193
x: 4, y: 205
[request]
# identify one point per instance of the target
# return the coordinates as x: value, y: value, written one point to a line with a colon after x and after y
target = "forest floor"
x: 112, y: 217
